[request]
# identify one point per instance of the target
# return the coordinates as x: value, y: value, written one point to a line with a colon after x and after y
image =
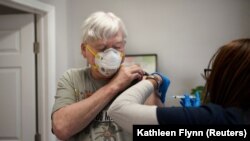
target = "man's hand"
x: 126, y: 75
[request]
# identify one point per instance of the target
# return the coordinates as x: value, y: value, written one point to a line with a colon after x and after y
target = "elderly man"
x: 83, y: 95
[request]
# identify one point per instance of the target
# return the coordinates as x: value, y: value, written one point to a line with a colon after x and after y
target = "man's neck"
x: 97, y: 76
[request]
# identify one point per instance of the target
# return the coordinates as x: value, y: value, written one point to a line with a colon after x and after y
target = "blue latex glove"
x: 196, y: 102
x: 186, y: 102
x: 191, y: 102
x: 163, y: 87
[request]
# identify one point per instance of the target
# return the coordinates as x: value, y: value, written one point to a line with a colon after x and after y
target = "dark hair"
x: 228, y: 83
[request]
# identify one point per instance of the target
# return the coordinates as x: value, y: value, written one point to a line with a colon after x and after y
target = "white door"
x: 17, y: 80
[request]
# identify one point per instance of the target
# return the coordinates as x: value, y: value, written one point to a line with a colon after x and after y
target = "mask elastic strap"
x: 122, y: 55
x: 94, y: 53
x: 90, y: 50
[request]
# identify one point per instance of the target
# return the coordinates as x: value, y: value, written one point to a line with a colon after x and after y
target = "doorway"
x: 17, y: 77
x: 17, y: 74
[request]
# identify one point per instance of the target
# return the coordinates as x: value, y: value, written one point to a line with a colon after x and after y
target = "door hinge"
x: 36, y: 47
x: 37, y: 137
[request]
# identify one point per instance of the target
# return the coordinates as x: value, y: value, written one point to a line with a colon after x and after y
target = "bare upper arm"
x: 154, y: 99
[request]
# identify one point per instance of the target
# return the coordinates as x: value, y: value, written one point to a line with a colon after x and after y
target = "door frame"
x: 46, y: 59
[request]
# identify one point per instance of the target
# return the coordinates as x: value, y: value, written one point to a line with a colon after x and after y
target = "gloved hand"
x: 191, y: 102
x: 163, y: 87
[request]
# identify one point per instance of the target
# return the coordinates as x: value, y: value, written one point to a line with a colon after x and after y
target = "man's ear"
x: 83, y: 50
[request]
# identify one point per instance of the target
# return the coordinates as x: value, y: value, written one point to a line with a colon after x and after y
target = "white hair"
x: 101, y: 25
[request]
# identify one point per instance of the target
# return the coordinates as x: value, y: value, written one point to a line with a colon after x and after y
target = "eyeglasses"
x: 206, y: 73
x: 118, y: 46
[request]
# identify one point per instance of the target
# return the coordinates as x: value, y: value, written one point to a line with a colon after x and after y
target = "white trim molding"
x: 46, y: 59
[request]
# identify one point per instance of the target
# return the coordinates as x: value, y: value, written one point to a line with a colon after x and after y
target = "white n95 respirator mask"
x: 107, y: 62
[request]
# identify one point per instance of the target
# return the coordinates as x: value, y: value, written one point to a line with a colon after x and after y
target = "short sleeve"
x: 65, y: 93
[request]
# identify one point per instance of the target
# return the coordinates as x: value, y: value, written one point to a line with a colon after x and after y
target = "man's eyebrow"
x: 121, y: 41
x: 101, y: 44
x: 105, y: 44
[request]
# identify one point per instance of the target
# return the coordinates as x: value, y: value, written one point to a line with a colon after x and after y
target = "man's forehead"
x: 108, y: 41
x: 116, y: 38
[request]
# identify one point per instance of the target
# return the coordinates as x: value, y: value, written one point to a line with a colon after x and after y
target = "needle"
x: 182, y: 96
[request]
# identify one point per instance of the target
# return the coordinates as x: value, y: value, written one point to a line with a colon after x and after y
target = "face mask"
x: 107, y: 62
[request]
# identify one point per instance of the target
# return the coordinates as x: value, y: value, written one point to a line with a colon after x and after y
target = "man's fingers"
x: 136, y: 76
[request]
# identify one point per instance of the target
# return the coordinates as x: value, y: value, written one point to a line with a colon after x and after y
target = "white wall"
x: 62, y: 48
x: 184, y: 33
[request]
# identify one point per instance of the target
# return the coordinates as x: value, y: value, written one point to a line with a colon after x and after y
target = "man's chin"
x: 107, y: 77
x: 102, y: 76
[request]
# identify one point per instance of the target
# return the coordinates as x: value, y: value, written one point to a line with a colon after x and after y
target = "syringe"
x: 182, y: 96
